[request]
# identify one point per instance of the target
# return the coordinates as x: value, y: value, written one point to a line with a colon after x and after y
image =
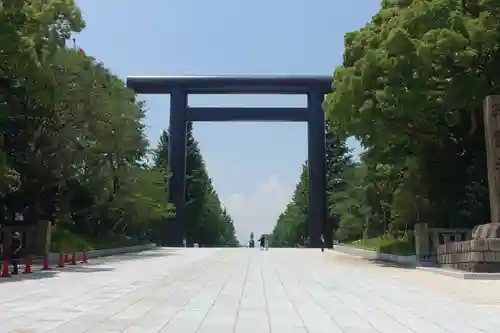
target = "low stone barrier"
x: 54, y: 257
x: 478, y: 255
x: 374, y: 255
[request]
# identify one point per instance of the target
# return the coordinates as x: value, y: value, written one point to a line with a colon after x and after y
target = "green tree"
x: 29, y: 33
x: 293, y: 223
x: 73, y: 138
x: 350, y: 204
x: 410, y: 89
x: 160, y: 154
x: 207, y: 222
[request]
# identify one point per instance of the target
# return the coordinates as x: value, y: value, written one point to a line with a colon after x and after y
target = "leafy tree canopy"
x: 410, y: 89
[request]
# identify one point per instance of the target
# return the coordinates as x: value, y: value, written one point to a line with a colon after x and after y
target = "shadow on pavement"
x: 144, y: 255
x: 156, y: 253
x: 38, y: 274
x: 355, y: 260
x: 132, y: 256
x: 93, y: 265
x: 382, y: 263
x: 85, y: 269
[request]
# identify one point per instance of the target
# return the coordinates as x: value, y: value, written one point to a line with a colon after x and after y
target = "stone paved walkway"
x: 246, y: 290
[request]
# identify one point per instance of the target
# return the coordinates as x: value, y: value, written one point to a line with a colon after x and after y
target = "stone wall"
x: 428, y: 240
x: 479, y: 255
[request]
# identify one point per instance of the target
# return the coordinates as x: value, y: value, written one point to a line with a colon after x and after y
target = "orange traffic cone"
x: 5, y: 268
x: 84, y: 257
x: 73, y: 258
x: 61, y: 260
x: 45, y: 263
x: 66, y: 258
x: 27, y: 267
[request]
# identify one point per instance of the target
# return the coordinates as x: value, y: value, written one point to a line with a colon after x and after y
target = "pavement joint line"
x: 206, y: 268
x: 329, y: 292
x: 249, y: 262
x: 398, y: 306
x: 300, y: 274
x: 169, y: 281
x: 212, y: 304
x: 184, y: 305
x: 265, y: 299
x: 332, y: 318
x: 287, y: 293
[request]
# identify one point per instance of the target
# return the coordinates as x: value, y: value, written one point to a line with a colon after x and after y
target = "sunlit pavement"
x: 246, y: 290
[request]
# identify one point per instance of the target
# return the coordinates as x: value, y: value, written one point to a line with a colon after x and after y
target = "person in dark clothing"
x: 262, y: 241
x: 16, y: 252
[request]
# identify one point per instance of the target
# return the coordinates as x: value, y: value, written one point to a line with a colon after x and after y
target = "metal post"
x: 177, y: 166
x: 316, y: 164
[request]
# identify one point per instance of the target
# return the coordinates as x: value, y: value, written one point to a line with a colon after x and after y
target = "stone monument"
x: 482, y: 252
x: 492, y: 136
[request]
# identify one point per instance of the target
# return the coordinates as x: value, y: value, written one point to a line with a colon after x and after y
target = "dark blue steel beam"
x: 246, y: 114
x: 177, y: 164
x: 230, y: 84
x: 316, y: 154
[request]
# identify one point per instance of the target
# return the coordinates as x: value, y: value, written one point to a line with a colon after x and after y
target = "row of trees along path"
x: 410, y: 89
x: 73, y: 144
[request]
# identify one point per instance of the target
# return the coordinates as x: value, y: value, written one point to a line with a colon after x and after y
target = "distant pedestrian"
x: 262, y: 241
x: 322, y: 239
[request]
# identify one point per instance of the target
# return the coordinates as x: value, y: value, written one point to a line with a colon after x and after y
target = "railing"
x: 427, y: 240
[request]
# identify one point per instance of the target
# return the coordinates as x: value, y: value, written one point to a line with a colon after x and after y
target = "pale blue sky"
x: 254, y: 166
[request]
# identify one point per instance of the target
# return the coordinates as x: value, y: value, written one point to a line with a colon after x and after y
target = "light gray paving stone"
x: 215, y: 328
x: 244, y: 290
x: 185, y: 322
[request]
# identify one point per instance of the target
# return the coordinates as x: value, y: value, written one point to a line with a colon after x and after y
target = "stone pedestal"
x: 481, y: 254
x: 477, y: 255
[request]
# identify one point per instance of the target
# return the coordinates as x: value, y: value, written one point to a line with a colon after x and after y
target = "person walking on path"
x: 322, y: 239
x: 262, y: 241
x: 16, y: 252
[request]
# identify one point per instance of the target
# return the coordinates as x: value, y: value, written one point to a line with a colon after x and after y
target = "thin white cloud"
x: 258, y: 210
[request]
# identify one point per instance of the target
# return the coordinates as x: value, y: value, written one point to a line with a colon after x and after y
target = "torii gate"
x: 315, y: 87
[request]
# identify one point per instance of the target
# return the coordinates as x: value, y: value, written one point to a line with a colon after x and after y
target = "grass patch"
x: 387, y: 244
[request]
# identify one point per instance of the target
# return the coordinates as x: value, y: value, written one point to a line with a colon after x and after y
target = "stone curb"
x: 461, y: 275
x: 412, y: 261
x: 373, y: 255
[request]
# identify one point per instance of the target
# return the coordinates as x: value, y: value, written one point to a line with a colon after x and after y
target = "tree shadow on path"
x: 382, y: 263
x: 38, y: 274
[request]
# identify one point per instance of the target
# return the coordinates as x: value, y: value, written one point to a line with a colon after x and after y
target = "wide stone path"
x: 246, y: 290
